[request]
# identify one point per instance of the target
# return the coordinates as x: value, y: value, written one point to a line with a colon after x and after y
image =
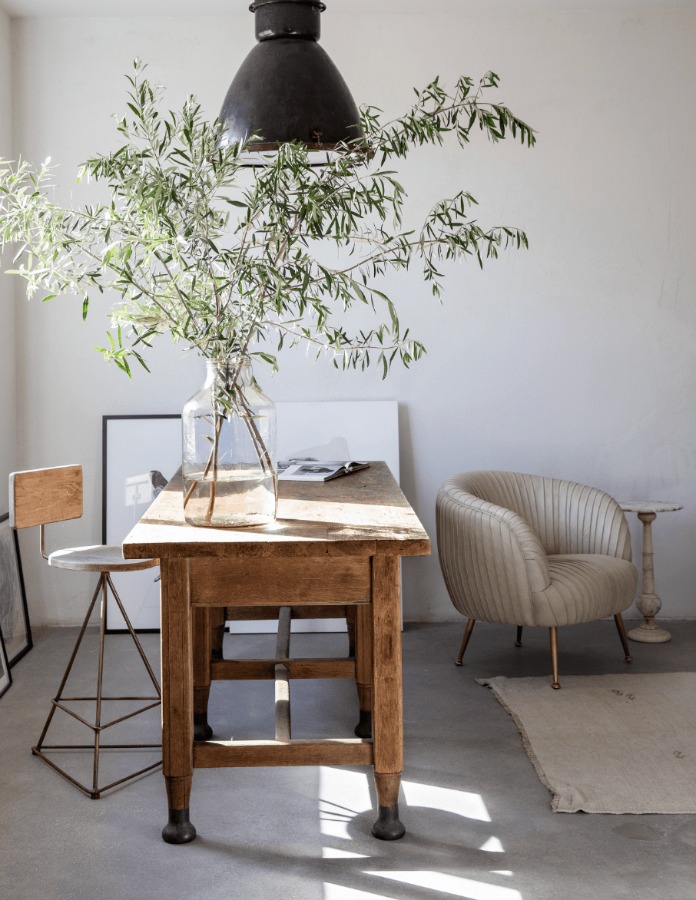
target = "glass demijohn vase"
x: 229, y: 436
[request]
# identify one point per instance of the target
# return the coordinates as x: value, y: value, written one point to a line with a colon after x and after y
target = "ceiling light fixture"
x: 287, y: 88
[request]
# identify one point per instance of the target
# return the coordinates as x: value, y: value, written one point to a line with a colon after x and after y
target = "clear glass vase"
x: 229, y: 456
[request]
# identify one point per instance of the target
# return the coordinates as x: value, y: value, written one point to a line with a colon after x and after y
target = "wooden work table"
x: 336, y: 543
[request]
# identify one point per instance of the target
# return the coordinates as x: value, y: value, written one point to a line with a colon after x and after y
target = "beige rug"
x: 609, y: 743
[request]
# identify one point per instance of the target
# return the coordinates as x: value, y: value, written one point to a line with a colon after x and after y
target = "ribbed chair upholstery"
x: 529, y: 550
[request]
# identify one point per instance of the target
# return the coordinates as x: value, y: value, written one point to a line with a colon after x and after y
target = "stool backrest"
x: 40, y: 496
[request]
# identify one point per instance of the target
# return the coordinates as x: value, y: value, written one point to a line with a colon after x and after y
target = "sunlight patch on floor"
x: 461, y: 803
x: 452, y: 884
x: 343, y: 795
x: 335, y: 853
x: 340, y: 892
x: 492, y: 845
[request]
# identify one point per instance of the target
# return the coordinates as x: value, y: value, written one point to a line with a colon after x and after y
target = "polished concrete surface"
x: 479, y: 821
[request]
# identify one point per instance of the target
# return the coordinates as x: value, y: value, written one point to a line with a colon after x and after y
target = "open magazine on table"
x: 316, y: 470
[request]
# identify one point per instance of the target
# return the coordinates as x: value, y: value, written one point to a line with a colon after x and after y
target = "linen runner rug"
x: 609, y: 743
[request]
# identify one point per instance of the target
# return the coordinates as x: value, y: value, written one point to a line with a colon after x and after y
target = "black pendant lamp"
x: 287, y: 88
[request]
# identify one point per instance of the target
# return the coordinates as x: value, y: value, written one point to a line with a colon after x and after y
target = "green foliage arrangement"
x: 225, y: 257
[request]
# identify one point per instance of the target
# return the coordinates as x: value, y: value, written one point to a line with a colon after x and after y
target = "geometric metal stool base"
x: 90, y: 791
x: 95, y: 790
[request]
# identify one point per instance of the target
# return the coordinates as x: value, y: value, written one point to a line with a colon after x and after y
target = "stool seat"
x: 99, y: 558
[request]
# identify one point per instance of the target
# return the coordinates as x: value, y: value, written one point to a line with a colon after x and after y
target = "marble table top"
x: 648, y: 506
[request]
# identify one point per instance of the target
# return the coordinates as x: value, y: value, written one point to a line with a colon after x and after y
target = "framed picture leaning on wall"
x: 140, y: 453
x: 5, y: 676
x: 14, y: 615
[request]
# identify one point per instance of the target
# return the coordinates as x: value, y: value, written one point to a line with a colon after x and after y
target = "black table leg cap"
x: 364, y: 727
x: 388, y: 826
x: 201, y: 730
x: 178, y: 829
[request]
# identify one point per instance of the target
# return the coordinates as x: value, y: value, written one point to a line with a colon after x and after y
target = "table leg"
x: 363, y: 668
x: 387, y: 695
x: 217, y: 626
x: 177, y: 698
x: 202, y: 648
x: 648, y: 603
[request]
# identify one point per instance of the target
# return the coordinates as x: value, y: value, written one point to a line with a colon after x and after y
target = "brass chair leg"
x: 518, y: 640
x: 553, y: 637
x: 465, y: 640
x: 622, y: 634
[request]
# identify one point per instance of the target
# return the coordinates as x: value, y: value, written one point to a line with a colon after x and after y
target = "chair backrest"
x: 41, y: 496
x: 567, y: 517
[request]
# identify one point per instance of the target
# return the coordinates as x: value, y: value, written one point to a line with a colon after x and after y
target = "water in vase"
x: 228, y: 452
x: 235, y: 496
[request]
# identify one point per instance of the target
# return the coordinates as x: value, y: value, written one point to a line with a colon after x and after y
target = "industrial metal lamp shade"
x: 287, y: 88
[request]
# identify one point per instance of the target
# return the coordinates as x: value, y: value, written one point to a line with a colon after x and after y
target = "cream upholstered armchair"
x: 528, y: 550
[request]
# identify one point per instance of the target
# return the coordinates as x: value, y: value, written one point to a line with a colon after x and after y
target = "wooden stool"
x: 42, y: 496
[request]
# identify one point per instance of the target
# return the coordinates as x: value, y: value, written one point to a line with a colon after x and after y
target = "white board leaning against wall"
x: 139, y: 456
x: 333, y: 430
x: 139, y: 450
x: 340, y: 430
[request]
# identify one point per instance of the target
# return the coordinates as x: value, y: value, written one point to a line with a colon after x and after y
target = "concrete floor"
x: 479, y: 822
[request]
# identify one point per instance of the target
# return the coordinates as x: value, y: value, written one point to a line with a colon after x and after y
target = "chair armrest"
x: 491, y: 560
x: 594, y: 523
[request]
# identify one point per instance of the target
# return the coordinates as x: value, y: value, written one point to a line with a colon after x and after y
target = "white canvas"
x: 350, y: 429
x: 135, y: 447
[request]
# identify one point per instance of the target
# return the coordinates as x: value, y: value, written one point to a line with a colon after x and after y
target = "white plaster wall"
x: 8, y: 404
x: 574, y: 359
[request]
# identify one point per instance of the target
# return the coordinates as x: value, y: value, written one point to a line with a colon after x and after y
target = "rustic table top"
x: 363, y: 514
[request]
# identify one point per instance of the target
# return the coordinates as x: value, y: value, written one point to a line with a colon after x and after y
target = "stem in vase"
x: 194, y: 484
x: 219, y: 419
x: 264, y: 456
x: 241, y: 408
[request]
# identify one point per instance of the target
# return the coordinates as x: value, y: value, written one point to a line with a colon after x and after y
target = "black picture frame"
x: 5, y: 673
x: 15, y: 626
x: 134, y: 449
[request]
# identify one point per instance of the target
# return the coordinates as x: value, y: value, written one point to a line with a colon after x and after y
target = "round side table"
x: 649, y: 632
